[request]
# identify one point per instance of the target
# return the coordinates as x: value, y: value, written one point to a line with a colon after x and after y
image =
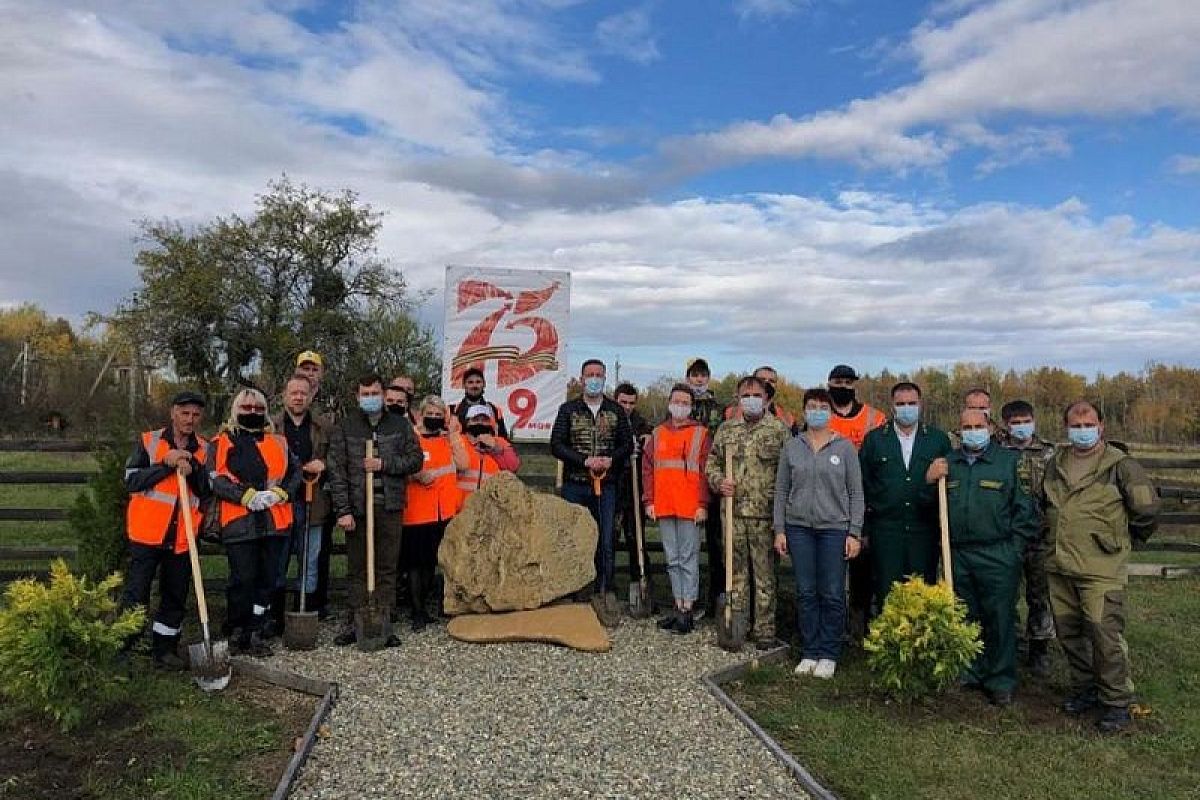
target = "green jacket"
x: 987, y: 501
x: 898, y: 499
x: 1090, y: 523
x: 756, y: 449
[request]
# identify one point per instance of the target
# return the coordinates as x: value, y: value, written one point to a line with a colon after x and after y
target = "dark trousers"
x: 253, y: 572
x: 862, y: 598
x: 321, y: 596
x: 895, y: 555
x: 714, y: 542
x: 986, y: 577
x: 418, y: 550
x: 174, y: 572
x: 388, y: 530
x: 603, y: 509
x: 628, y: 513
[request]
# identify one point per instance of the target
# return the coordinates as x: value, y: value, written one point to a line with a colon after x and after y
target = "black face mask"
x: 433, y: 424
x: 252, y: 422
x: 770, y: 391
x: 842, y: 395
x: 398, y: 408
x: 479, y: 429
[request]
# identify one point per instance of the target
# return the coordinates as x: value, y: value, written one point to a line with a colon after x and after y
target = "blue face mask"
x: 817, y: 418
x: 1022, y: 431
x: 593, y: 386
x: 908, y: 415
x: 976, y: 438
x: 1083, y: 438
x: 371, y: 405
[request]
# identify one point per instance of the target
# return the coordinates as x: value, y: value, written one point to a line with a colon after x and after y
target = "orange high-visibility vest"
x: 149, y: 513
x: 677, y: 471
x: 482, y: 466
x: 274, y: 451
x: 439, y: 500
x: 857, y: 427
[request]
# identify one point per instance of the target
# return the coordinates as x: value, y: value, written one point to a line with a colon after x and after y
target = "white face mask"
x: 679, y: 411
x: 752, y: 406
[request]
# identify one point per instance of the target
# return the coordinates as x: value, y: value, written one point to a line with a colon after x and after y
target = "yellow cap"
x: 309, y: 355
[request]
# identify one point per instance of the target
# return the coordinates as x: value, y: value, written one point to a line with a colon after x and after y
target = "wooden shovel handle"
x: 637, y: 516
x: 185, y: 511
x: 597, y: 480
x: 944, y: 522
x: 370, y: 522
x: 727, y: 519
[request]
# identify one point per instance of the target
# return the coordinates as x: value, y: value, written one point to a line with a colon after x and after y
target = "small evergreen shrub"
x: 59, y: 643
x: 98, y: 517
x: 921, y: 642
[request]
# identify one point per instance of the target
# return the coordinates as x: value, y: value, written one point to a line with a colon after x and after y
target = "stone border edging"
x: 713, y: 680
x: 326, y: 690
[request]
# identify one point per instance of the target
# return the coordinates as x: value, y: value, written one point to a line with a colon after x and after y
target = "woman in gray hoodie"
x: 818, y: 521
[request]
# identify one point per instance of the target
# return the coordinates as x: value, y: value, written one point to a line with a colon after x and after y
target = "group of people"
x: 850, y: 495
x: 271, y: 489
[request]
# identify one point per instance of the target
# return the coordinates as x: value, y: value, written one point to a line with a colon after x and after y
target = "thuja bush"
x: 59, y: 644
x: 921, y: 642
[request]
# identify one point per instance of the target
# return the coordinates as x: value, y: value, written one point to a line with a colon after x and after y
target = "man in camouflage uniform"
x: 755, y: 439
x: 1034, y: 454
x: 1097, y: 500
x: 709, y: 412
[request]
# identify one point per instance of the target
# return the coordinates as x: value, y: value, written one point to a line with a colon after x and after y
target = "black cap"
x: 697, y: 366
x: 843, y: 372
x: 188, y: 399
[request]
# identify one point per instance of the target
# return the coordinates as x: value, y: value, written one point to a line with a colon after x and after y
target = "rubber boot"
x: 1039, y: 658
x: 416, y: 586
x: 165, y: 653
x: 273, y: 625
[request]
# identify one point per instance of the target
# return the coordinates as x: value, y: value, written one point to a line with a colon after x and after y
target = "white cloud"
x: 1047, y: 59
x: 628, y: 35
x: 767, y: 9
x: 1185, y: 165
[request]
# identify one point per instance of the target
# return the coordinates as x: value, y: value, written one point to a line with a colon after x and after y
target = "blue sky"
x: 801, y: 182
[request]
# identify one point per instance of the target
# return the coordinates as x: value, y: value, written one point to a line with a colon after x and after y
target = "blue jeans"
x: 604, y: 511
x: 296, y: 548
x: 819, y: 564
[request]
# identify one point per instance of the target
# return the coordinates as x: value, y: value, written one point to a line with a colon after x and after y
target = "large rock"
x: 512, y: 549
x: 573, y: 625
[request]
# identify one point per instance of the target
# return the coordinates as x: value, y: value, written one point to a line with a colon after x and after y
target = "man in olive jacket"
x: 1097, y: 499
x: 397, y: 455
x: 992, y: 521
x: 902, y: 515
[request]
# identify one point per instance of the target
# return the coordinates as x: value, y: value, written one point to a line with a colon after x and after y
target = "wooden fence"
x: 536, y: 471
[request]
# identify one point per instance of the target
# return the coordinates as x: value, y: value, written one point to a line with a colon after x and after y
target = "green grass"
x: 46, y: 462
x: 957, y: 747
x: 167, y: 739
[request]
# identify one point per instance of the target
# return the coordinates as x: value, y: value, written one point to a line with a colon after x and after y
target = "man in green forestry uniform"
x: 992, y: 521
x: 1097, y: 500
x: 755, y: 439
x: 1034, y: 453
x: 902, y: 512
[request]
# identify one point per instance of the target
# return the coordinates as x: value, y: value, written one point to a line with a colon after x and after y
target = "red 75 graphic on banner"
x: 512, y: 365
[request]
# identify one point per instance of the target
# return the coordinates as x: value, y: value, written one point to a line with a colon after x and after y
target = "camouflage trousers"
x: 1039, y: 618
x: 1089, y: 614
x: 754, y: 573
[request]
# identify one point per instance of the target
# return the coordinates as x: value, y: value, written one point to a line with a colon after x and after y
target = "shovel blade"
x: 300, y: 630
x: 210, y: 665
x: 640, y: 605
x: 372, y: 628
x: 731, y: 625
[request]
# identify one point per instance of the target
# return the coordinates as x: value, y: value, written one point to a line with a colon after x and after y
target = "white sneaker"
x: 824, y: 669
x: 806, y: 667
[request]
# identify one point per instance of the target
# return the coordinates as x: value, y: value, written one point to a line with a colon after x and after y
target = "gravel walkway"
x: 437, y: 718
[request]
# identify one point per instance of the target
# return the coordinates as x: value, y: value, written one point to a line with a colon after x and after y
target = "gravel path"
x: 445, y: 719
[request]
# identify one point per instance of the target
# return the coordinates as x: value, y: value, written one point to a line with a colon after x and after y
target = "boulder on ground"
x: 574, y: 625
x: 513, y: 549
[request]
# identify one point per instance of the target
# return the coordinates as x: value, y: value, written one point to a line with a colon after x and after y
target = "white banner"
x: 512, y: 324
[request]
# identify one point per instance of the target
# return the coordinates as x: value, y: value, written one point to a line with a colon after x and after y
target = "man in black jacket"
x: 592, y: 437
x: 473, y: 386
x: 397, y: 455
x: 627, y: 505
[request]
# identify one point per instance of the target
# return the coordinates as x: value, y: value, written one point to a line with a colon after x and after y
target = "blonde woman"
x: 253, y: 475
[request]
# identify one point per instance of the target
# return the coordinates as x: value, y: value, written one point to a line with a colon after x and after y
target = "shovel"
x: 372, y: 625
x: 640, y: 603
x: 209, y: 660
x: 731, y: 625
x: 300, y: 627
x: 944, y: 520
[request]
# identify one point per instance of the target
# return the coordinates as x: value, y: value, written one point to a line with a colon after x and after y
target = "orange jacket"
x: 484, y: 465
x: 439, y: 500
x: 673, y: 469
x: 274, y: 451
x: 856, y: 428
x: 148, y: 515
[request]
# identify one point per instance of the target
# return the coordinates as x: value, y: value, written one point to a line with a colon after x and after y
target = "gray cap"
x: 188, y: 398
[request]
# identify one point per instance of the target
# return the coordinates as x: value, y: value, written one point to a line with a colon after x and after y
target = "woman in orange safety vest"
x: 432, y: 500
x: 676, y: 494
x: 254, y: 474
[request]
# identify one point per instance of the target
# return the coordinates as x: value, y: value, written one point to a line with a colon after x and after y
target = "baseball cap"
x: 843, y: 372
x: 188, y: 398
x: 478, y: 411
x: 309, y: 355
x: 697, y: 365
